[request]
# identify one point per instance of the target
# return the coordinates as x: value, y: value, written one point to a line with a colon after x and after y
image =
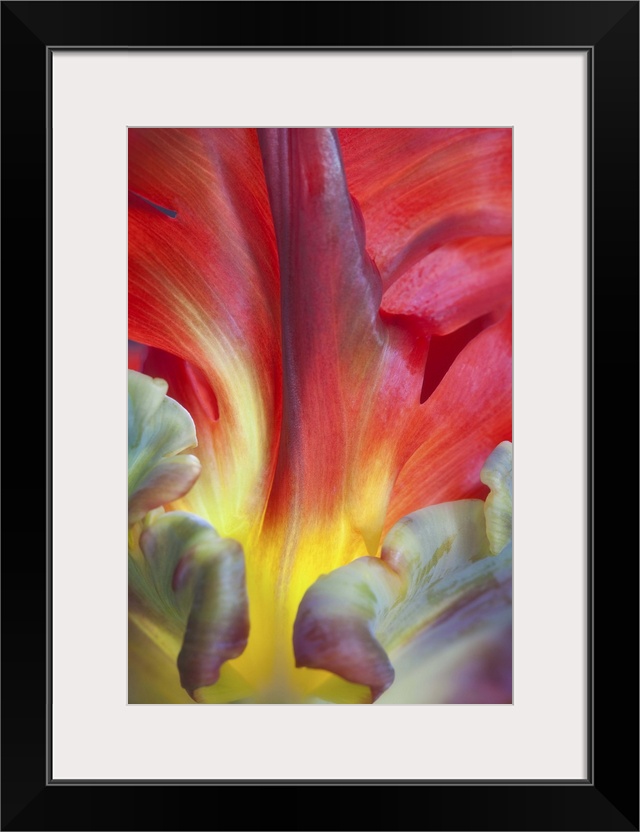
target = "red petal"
x: 220, y: 494
x: 212, y: 267
x: 352, y: 414
x: 337, y: 353
x: 330, y: 294
x: 456, y: 429
x: 455, y: 284
x: 443, y: 351
x: 137, y: 354
x: 203, y: 280
x: 420, y: 190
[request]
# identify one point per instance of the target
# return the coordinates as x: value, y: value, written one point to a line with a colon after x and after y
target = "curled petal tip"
x: 194, y: 581
x: 353, y: 621
x: 344, y: 645
x: 335, y: 626
x: 169, y: 480
x: 218, y: 625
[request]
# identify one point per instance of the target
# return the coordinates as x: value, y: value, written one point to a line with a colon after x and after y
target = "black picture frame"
x: 608, y: 798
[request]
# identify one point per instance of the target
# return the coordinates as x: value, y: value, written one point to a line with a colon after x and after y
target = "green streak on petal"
x: 433, y: 612
x: 161, y: 545
x: 431, y: 550
x: 497, y: 473
x: 349, y: 620
x: 463, y: 655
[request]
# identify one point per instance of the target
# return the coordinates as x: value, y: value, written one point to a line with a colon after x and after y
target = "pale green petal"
x: 169, y: 479
x: 462, y: 656
x: 351, y: 620
x: 159, y: 428
x: 433, y: 612
x: 339, y: 620
x: 189, y: 583
x: 465, y: 655
x: 497, y: 473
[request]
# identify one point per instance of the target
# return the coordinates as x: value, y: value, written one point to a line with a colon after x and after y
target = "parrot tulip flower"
x: 320, y: 492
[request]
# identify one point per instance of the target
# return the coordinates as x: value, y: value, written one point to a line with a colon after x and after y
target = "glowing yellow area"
x: 231, y: 489
x: 234, y: 456
x: 281, y: 566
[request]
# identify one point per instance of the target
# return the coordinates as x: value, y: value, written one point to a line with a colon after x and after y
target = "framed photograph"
x: 424, y: 184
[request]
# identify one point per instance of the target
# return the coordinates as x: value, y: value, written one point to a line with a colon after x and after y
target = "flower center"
x: 282, y: 563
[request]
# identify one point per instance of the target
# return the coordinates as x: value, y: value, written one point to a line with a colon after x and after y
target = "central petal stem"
x: 337, y: 458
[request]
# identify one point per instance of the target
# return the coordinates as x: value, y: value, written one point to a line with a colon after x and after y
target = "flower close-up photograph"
x: 355, y: 285
x: 320, y: 410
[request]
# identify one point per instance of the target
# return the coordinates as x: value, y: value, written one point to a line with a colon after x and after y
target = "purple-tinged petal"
x: 350, y: 620
x: 218, y: 624
x: 338, y: 621
x: 464, y: 655
x: 434, y: 610
x: 167, y: 481
x: 192, y: 583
